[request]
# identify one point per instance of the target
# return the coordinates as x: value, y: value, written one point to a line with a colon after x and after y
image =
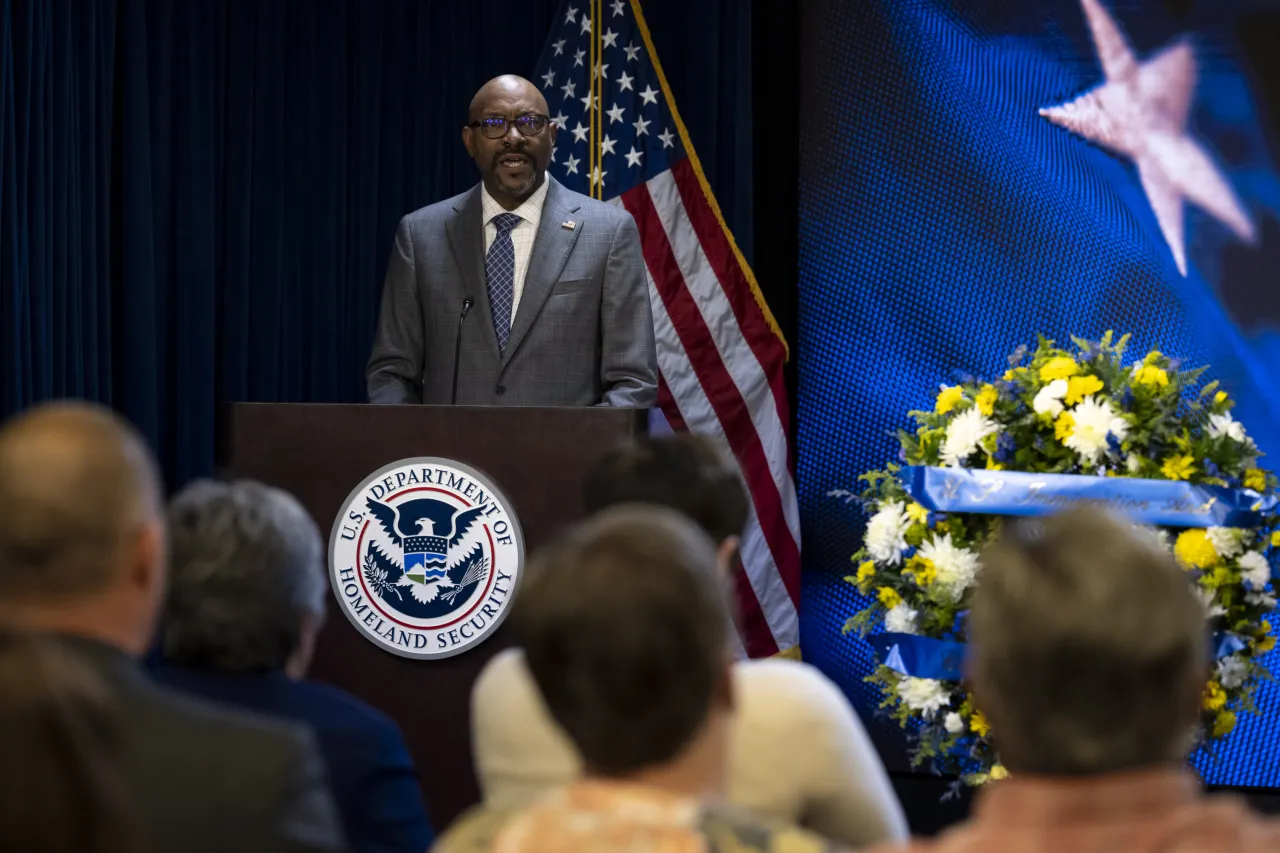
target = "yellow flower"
x: 1153, y: 376
x: 889, y: 597
x: 1265, y: 645
x: 979, y: 724
x: 999, y: 773
x: 1224, y: 723
x: 1220, y: 398
x: 993, y: 465
x: 1275, y: 539
x: 1064, y: 426
x: 948, y: 399
x: 986, y: 399
x: 921, y: 570
x: 1254, y: 479
x: 1264, y: 627
x: 1215, y: 698
x: 1061, y: 367
x: 917, y: 513
x: 1079, y: 387
x: 1178, y: 467
x: 1194, y: 548
x: 866, y: 571
x: 1152, y: 357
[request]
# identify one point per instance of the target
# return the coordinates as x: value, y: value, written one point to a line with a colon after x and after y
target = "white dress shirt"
x: 799, y: 753
x: 522, y: 234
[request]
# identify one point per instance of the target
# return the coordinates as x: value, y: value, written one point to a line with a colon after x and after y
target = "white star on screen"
x: 618, y: 6
x: 559, y: 47
x: 650, y: 96
x: 571, y: 165
x: 633, y: 157
x: 624, y: 82
x: 610, y: 38
x: 1141, y: 111
x: 568, y: 89
x: 548, y: 79
x: 580, y: 132
x: 668, y: 139
x: 586, y: 23
x: 615, y: 114
x: 573, y: 13
x: 606, y: 145
x: 641, y: 126
x: 632, y: 51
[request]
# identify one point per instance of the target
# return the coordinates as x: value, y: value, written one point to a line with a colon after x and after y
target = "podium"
x: 538, y: 458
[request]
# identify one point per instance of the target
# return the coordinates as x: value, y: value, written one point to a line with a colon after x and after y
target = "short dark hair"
x: 686, y: 472
x: 625, y: 632
x: 1088, y: 646
x: 247, y: 568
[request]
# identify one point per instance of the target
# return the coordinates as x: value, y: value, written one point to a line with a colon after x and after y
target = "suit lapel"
x: 466, y: 239
x: 551, y: 247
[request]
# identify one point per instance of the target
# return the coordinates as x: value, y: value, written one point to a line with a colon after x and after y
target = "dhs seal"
x: 425, y: 557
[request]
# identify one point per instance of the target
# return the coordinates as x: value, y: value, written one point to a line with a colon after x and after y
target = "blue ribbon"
x: 1164, y: 503
x: 943, y: 660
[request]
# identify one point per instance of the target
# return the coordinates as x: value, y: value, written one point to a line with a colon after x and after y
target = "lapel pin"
x: 568, y: 224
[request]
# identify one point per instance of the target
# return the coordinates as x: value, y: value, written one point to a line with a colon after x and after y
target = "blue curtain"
x: 197, y: 198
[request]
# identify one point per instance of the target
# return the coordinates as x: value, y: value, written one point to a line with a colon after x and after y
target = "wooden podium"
x: 319, y: 452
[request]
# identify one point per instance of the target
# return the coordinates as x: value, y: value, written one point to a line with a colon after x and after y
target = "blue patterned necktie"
x: 500, y: 270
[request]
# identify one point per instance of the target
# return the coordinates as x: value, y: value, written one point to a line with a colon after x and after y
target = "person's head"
x: 625, y: 632
x: 510, y: 136
x: 81, y: 534
x: 60, y: 743
x: 1088, y: 647
x: 248, y: 582
x: 686, y: 472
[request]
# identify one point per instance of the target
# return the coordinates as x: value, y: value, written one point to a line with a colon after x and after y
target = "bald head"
x: 510, y: 136
x: 501, y: 89
x: 77, y: 486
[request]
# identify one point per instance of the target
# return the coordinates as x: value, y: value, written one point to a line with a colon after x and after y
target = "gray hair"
x: 247, y: 568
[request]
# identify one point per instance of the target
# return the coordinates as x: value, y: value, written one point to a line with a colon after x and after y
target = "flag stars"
x: 548, y: 79
x: 572, y: 16
x: 633, y: 157
x: 641, y: 126
x: 668, y: 139
x: 559, y: 47
x: 607, y: 144
x: 618, y: 6
x: 632, y: 51
x: 624, y: 82
x: 568, y: 89
x: 571, y: 165
x: 610, y: 38
x: 615, y: 114
x: 589, y: 101
x: 650, y: 95
x: 561, y: 119
x: 586, y: 23
x: 580, y: 132
x: 602, y: 71
x: 577, y: 58
x: 597, y: 177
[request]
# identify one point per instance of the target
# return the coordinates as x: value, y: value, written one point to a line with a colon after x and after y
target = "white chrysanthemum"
x: 957, y: 567
x: 1048, y: 399
x: 1265, y: 600
x: 963, y: 434
x: 954, y: 723
x: 1232, y: 671
x: 1132, y: 463
x: 925, y: 695
x: 1154, y: 535
x: 1225, y: 425
x: 886, y: 532
x: 1227, y: 541
x: 1209, y: 600
x: 1255, y: 571
x: 900, y: 620
x: 1094, y: 421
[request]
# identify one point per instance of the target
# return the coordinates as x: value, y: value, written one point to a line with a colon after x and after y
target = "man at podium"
x: 519, y: 291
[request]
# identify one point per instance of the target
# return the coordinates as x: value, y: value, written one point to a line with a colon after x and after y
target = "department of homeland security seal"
x: 425, y: 557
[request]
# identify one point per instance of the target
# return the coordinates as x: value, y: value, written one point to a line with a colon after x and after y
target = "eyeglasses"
x: 529, y: 124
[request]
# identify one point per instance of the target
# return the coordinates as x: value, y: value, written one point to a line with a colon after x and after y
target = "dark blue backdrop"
x: 197, y: 199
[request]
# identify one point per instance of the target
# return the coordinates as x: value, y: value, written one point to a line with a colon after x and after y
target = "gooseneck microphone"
x: 457, y: 349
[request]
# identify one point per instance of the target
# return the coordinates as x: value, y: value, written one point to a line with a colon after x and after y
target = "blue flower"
x: 1113, y: 444
x: 1211, y: 469
x: 1005, y: 447
x: 1126, y: 401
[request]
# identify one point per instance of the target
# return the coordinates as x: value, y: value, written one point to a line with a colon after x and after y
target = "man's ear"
x: 466, y: 141
x: 147, y: 556
x: 727, y: 555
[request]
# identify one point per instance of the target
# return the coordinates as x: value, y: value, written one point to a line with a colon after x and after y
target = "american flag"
x: 620, y: 139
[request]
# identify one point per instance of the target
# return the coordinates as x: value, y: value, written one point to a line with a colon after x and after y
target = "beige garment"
x: 1153, y: 811
x: 799, y: 755
x: 597, y: 816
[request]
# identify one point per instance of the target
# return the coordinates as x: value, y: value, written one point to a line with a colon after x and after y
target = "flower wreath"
x: 1059, y: 412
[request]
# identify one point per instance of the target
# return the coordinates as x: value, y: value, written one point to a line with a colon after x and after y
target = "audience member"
x: 246, y: 602
x: 60, y: 745
x: 799, y: 752
x: 1088, y: 656
x: 626, y: 633
x: 82, y: 557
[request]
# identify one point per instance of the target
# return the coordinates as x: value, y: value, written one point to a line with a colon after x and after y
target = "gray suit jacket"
x: 582, y: 334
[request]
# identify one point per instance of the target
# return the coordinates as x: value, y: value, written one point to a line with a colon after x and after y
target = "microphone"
x: 457, y: 349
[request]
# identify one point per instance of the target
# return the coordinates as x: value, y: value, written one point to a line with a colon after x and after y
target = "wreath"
x: 1086, y: 415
